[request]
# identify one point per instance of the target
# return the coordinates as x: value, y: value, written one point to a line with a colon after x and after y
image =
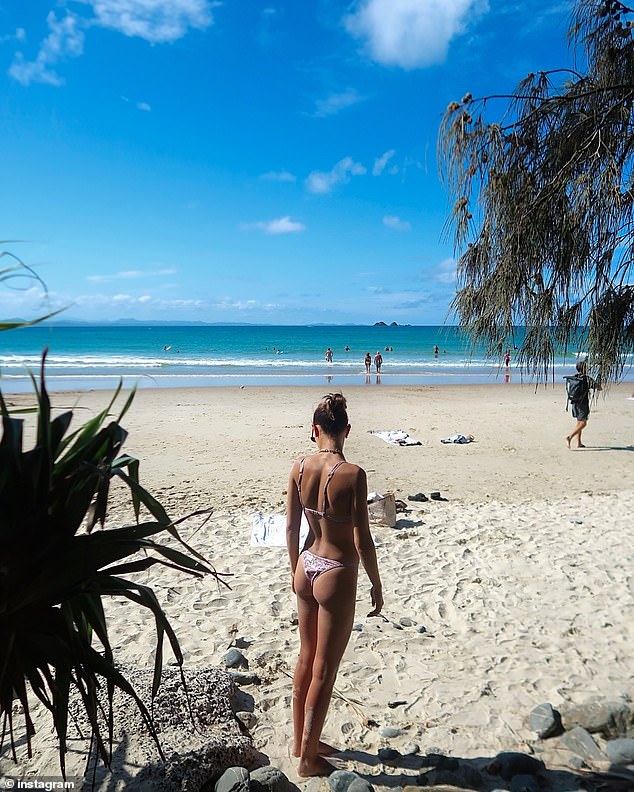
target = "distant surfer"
x: 167, y: 347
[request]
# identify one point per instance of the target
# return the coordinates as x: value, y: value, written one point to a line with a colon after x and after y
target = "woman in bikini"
x: 333, y: 495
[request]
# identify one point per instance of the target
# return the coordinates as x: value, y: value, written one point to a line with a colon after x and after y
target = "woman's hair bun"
x: 331, y: 413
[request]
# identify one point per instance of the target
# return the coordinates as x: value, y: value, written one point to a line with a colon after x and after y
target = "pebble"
x: 270, y: 779
x: 580, y: 741
x: 390, y: 731
x: 620, y: 751
x: 235, y: 659
x: 340, y: 780
x: 411, y: 749
x: 421, y: 629
x: 360, y: 785
x: 405, y: 621
x: 545, y: 721
x: 244, y: 679
x: 234, y: 779
x: 357, y: 627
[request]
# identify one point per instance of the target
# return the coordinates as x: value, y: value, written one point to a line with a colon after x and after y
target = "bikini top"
x: 318, y: 512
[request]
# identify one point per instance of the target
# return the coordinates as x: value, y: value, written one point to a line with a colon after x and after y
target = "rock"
x: 524, y: 783
x: 244, y: 679
x: 390, y: 731
x: 545, y: 721
x: 235, y: 659
x: 421, y: 629
x: 360, y: 785
x: 405, y: 621
x: 248, y: 718
x: 388, y: 754
x: 270, y: 779
x: 620, y: 751
x: 340, y: 780
x: 612, y: 719
x: 234, y: 779
x: 410, y: 749
x: 396, y: 625
x: 579, y: 741
x: 509, y: 764
x: 357, y: 627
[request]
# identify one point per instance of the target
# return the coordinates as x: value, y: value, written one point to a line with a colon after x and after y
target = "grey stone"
x: 390, y: 731
x: 421, y: 629
x: 340, y: 780
x: 610, y: 718
x: 360, y: 785
x: 524, y: 783
x: 405, y: 621
x: 509, y: 764
x: 579, y: 741
x: 620, y: 751
x: 234, y: 779
x: 235, y: 659
x: 357, y: 627
x: 241, y: 678
x: 388, y: 754
x: 396, y: 625
x: 545, y: 721
x: 270, y: 779
x: 410, y: 749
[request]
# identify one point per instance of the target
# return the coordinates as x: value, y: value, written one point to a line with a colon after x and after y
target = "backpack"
x: 577, y: 387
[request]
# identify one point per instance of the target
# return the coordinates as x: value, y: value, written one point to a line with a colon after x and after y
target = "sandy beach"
x: 521, y: 575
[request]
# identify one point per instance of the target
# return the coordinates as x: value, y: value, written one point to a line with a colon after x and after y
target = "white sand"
x: 522, y: 577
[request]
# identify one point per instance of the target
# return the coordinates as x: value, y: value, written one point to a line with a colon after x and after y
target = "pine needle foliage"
x: 56, y: 570
x: 542, y: 204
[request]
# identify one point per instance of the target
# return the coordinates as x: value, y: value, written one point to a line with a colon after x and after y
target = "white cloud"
x: 446, y: 271
x: 411, y: 33
x: 156, y: 21
x: 131, y: 275
x: 144, y: 106
x: 280, y: 176
x: 281, y: 225
x: 335, y: 103
x: 227, y: 303
x: 323, y: 182
x: 381, y: 162
x: 65, y: 40
x: 391, y: 221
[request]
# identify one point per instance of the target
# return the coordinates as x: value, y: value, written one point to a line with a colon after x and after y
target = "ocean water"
x: 96, y: 357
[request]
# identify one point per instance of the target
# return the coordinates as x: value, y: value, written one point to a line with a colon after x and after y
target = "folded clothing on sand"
x: 459, y: 438
x: 395, y: 437
x: 269, y: 530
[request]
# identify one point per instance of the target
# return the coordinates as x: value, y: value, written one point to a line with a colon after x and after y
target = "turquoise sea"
x: 95, y: 357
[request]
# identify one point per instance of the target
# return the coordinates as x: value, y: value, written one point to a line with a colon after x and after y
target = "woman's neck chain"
x: 330, y: 451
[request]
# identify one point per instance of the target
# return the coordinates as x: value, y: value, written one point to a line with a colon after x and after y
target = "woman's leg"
x: 335, y: 591
x: 307, y: 620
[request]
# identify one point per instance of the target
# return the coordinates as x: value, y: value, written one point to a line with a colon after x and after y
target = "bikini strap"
x: 331, y: 473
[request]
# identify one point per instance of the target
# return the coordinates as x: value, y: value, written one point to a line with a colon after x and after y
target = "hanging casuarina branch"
x: 542, y: 203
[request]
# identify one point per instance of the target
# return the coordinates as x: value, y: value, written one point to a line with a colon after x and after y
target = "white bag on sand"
x: 382, y: 510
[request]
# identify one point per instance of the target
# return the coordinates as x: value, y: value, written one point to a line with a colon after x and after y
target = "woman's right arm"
x: 293, y: 520
x: 365, y: 544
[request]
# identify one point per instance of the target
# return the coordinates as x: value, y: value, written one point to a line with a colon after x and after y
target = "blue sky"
x: 264, y: 161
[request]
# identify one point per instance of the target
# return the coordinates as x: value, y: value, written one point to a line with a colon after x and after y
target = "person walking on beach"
x: 332, y: 493
x: 378, y: 362
x: 368, y: 362
x: 581, y: 402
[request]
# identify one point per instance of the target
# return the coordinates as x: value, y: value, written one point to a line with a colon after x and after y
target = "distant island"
x: 383, y: 324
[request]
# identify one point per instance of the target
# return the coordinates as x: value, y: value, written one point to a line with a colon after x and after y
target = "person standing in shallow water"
x: 368, y: 362
x: 332, y: 493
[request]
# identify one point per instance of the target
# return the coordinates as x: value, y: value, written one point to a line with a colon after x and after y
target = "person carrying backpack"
x: 578, y: 388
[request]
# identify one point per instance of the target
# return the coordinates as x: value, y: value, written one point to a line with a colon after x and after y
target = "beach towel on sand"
x: 459, y: 438
x: 395, y: 437
x: 269, y: 530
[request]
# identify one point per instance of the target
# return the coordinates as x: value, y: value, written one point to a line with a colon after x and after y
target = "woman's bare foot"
x: 568, y: 440
x: 316, y: 767
x: 323, y: 749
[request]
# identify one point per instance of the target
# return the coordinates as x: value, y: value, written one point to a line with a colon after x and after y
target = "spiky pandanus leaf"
x: 55, y: 570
